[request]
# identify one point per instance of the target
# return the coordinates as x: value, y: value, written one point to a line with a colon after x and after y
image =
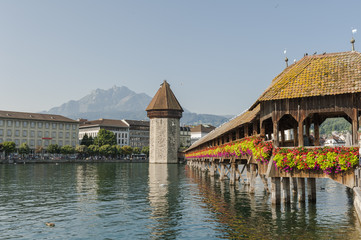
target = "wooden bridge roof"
x: 317, y: 75
x: 243, y: 118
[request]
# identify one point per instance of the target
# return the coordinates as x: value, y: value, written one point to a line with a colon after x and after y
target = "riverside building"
x: 37, y: 129
x: 138, y: 133
x: 118, y: 127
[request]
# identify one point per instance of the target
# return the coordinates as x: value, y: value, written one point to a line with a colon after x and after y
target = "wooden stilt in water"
x: 252, y: 180
x: 221, y: 171
x: 276, y: 190
x: 301, y: 189
x: 212, y: 169
x: 311, y: 189
x: 294, y: 186
x: 265, y: 182
x: 233, y: 177
x: 286, y: 198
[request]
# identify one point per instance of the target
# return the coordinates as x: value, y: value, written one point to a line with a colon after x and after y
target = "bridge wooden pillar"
x: 294, y: 186
x: 252, y: 181
x: 265, y: 182
x: 222, y: 171
x: 300, y: 133
x: 316, y: 126
x: 311, y: 189
x: 233, y: 176
x: 276, y: 190
x: 286, y: 195
x: 295, y: 137
x: 275, y: 133
x: 301, y: 189
x: 355, y: 126
x: 212, y: 169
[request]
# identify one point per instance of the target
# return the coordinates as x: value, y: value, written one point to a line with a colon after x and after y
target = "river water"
x: 141, y: 201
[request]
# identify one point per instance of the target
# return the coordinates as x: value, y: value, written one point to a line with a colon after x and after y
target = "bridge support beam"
x: 222, y: 171
x: 294, y: 186
x: 276, y: 190
x: 286, y: 194
x: 252, y: 180
x: 212, y: 169
x: 265, y: 182
x: 233, y: 175
x: 301, y: 189
x: 311, y: 189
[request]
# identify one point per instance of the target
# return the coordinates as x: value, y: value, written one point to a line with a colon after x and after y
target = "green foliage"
x: 105, y: 137
x: 136, y: 150
x: 9, y: 147
x: 145, y: 150
x: 127, y: 150
x: 334, y: 124
x: 87, y: 141
x: 93, y: 150
x: 67, y: 149
x: 24, y: 149
x: 53, y: 149
x: 81, y: 149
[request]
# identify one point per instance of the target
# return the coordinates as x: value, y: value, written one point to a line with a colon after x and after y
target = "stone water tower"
x: 164, y: 112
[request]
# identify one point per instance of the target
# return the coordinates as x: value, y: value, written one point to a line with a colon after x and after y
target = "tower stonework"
x: 164, y: 112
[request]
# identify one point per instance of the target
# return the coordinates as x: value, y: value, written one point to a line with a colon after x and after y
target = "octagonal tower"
x: 164, y: 112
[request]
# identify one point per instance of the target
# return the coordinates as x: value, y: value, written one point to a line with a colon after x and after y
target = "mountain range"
x: 123, y: 103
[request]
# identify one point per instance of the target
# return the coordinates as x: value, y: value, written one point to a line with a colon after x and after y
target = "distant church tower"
x: 164, y: 112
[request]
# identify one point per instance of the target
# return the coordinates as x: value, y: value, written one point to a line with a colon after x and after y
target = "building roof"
x: 137, y: 123
x: 164, y: 99
x: 241, y: 119
x: 103, y: 123
x: 35, y: 116
x: 202, y: 128
x: 317, y: 75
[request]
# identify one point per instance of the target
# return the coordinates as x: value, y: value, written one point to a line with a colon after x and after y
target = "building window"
x: 67, y: 126
x: 73, y: 135
x: 1, y: 140
x: 74, y: 126
x: 17, y: 133
x: 61, y: 126
x: 40, y: 133
x: 61, y: 134
x: 17, y: 124
x: 73, y: 143
x: 52, y: 141
x: 17, y: 142
x: 40, y: 125
x: 1, y: 122
x: 46, y: 143
x: 40, y: 143
x: 53, y: 134
x: 60, y: 143
x: 25, y: 133
x: 1, y: 132
x: 54, y: 125
x: 25, y: 124
x: 32, y: 142
x: 32, y: 133
x: 23, y: 141
x: 67, y: 142
x: 46, y: 125
x: 32, y: 124
x: 67, y: 135
x: 46, y: 134
x: 10, y: 123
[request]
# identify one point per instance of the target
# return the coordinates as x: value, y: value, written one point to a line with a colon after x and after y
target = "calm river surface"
x: 141, y: 201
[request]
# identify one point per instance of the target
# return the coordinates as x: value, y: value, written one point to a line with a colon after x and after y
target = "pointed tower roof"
x: 164, y: 103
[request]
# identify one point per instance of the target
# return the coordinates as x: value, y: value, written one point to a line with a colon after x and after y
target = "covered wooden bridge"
x: 273, y: 138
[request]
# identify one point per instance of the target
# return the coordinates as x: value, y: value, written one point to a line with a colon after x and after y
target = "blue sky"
x: 218, y: 56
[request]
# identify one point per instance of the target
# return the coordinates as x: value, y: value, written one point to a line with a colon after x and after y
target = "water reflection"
x: 245, y: 215
x: 164, y: 200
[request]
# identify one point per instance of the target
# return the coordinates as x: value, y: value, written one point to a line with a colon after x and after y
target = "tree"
x: 67, y: 149
x: 81, y: 149
x: 127, y: 150
x: 145, y: 150
x: 105, y: 137
x: 53, y: 149
x: 136, y: 150
x: 9, y: 147
x: 24, y: 149
x: 93, y: 149
x: 87, y: 141
x: 39, y: 149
